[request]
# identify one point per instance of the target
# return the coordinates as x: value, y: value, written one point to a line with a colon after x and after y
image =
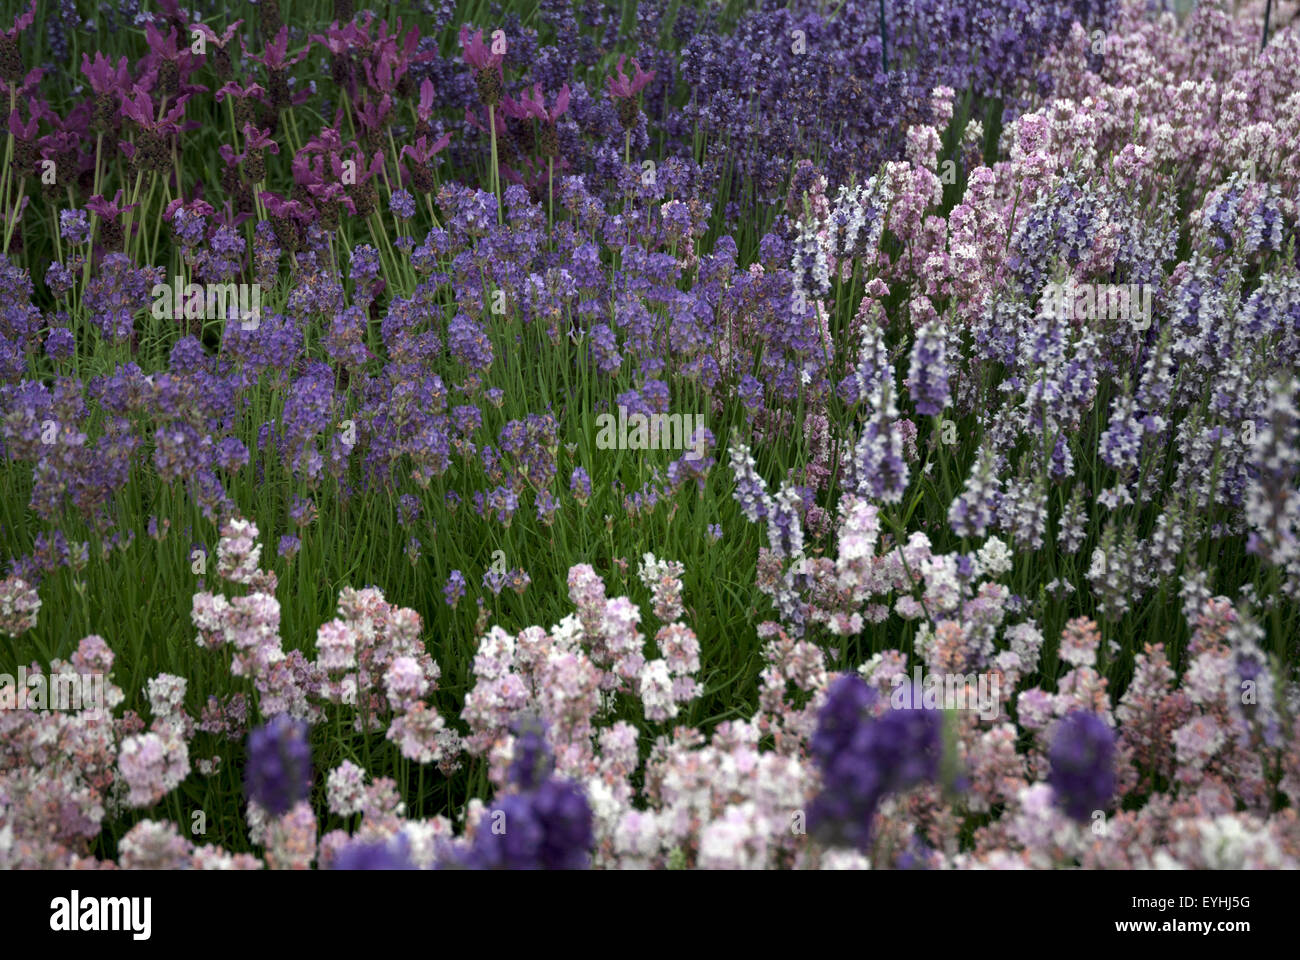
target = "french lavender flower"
x: 1082, y: 759
x: 279, y: 765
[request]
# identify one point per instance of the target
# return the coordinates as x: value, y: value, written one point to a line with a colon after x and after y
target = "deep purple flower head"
x: 544, y: 829
x: 847, y: 702
x: 104, y: 77
x: 279, y: 765
x: 864, y: 757
x: 533, y: 759
x: 1083, y: 764
x: 276, y: 56
x: 375, y: 855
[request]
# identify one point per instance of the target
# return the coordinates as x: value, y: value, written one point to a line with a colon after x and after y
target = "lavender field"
x: 678, y: 434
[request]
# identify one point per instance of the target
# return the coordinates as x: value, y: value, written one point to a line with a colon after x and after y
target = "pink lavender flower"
x: 345, y: 789
x: 20, y: 606
x: 153, y: 845
x: 152, y: 765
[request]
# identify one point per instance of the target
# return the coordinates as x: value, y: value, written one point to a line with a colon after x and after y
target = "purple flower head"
x: 580, y: 485
x: 533, y: 107
x: 22, y: 22
x: 1082, y: 757
x: 620, y: 87
x: 220, y: 41
x: 106, y: 79
x: 254, y: 91
x: 277, y: 206
x: 454, y: 588
x: 391, y: 854
x: 424, y: 110
x: 549, y: 828
x: 74, y: 226
x: 494, y: 580
x: 276, y: 55
x: 928, y: 376
x: 424, y: 151
x: 402, y: 204
x: 533, y: 759
x: 60, y: 343
x: 279, y: 765
x: 863, y: 758
x: 138, y: 106
x: 478, y: 54
x: 255, y: 139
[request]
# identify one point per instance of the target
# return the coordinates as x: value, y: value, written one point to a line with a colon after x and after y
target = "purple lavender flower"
x: 1082, y: 757
x: 60, y: 343
x: 231, y: 454
x: 580, y: 485
x: 863, y: 758
x: 549, y: 828
x: 375, y: 855
x: 74, y: 226
x: 454, y: 588
x: 408, y: 509
x: 494, y: 580
x: 365, y: 263
x: 278, y: 774
x: 928, y: 376
x: 402, y: 204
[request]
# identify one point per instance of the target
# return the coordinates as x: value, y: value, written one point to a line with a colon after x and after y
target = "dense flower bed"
x: 975, y: 543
